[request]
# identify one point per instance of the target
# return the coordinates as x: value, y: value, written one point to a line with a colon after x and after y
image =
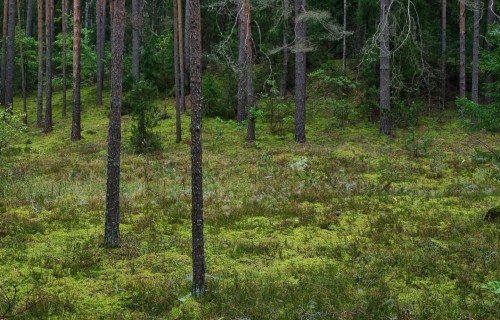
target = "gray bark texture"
x: 49, y: 28
x: 29, y: 18
x: 491, y: 18
x: 187, y: 32
x: 76, y: 127
x: 177, y: 71
x: 475, y: 52
x: 461, y: 87
x: 242, y: 60
x: 112, y: 223
x: 443, y: 52
x: 64, y: 53
x: 300, y: 73
x: 39, y: 109
x: 100, y: 43
x: 198, y: 254
x: 181, y: 57
x: 249, y: 74
x: 9, y: 71
x: 385, y: 70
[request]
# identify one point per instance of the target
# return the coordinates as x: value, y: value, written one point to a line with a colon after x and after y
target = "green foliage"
x: 219, y: 92
x: 486, y: 115
x: 276, y: 111
x: 340, y: 84
x: 11, y: 128
x: 418, y: 141
x: 157, y: 60
x: 141, y: 103
x: 492, y: 286
x: 405, y: 112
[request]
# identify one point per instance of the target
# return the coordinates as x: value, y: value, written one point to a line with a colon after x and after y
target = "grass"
x: 347, y: 226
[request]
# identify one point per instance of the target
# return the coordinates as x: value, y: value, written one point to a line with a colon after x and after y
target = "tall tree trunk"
x: 23, y: 65
x: 76, y: 127
x: 100, y: 43
x: 475, y: 52
x: 86, y: 16
x: 196, y: 153
x: 443, y: 52
x: 344, y: 38
x: 29, y: 19
x: 491, y: 19
x: 242, y: 60
x: 64, y: 53
x: 136, y: 37
x: 286, y: 59
x: 4, y: 49
x: 385, y: 71
x: 177, y: 70
x: 181, y: 57
x: 461, y: 87
x: 300, y: 72
x: 112, y: 224
x: 9, y: 71
x: 187, y: 32
x: 249, y: 75
x: 49, y: 28
x: 39, y: 109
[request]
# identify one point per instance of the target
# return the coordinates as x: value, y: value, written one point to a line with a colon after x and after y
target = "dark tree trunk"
x: 242, y: 61
x: 86, y: 17
x: 76, y: 127
x: 461, y: 87
x: 9, y: 71
x: 177, y: 71
x: 475, y: 52
x: 4, y: 49
x: 286, y: 59
x: 187, y: 32
x: 136, y: 37
x: 49, y: 28
x: 196, y: 153
x: 100, y: 43
x: 112, y: 224
x: 29, y: 19
x: 300, y: 72
x: 344, y: 38
x: 385, y: 71
x: 23, y: 66
x: 64, y: 53
x: 39, y: 109
x: 491, y: 18
x: 249, y: 74
x: 443, y: 52
x: 181, y: 57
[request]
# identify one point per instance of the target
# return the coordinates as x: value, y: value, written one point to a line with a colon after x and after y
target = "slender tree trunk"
x: 177, y: 72
x: 23, y: 65
x: 29, y: 18
x: 491, y: 18
x: 76, y: 127
x: 181, y: 57
x: 196, y: 153
x: 112, y: 224
x: 4, y: 49
x: 462, y: 49
x: 385, y: 71
x: 136, y: 38
x: 443, y: 52
x: 300, y: 73
x: 187, y: 32
x: 344, y: 38
x: 64, y: 53
x: 249, y: 73
x: 242, y: 60
x: 86, y: 17
x: 101, y: 36
x: 9, y: 71
x: 475, y: 52
x: 286, y: 59
x: 49, y: 27
x: 39, y: 109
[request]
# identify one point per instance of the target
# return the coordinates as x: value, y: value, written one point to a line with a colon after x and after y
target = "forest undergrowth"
x: 350, y: 225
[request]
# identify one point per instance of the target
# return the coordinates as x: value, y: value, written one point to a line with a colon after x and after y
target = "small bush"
x: 11, y: 127
x: 486, y: 116
x: 219, y: 95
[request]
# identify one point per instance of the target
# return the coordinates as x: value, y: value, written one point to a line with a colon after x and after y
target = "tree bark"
x: 100, y: 43
x: 242, y: 60
x: 300, y: 73
x: 249, y: 75
x: 9, y: 71
x: 4, y: 49
x: 136, y: 37
x: 461, y: 87
x: 385, y: 71
x: 29, y: 18
x: 181, y: 57
x: 112, y: 223
x: 475, y: 52
x: 177, y: 72
x: 76, y: 127
x: 23, y: 65
x: 86, y: 16
x: 443, y: 52
x: 344, y: 38
x: 187, y: 32
x: 64, y: 53
x: 286, y: 59
x: 198, y: 254
x: 49, y: 28
x: 491, y: 19
x: 39, y: 109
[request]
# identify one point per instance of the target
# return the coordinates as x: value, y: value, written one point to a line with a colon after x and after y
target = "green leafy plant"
x: 486, y: 115
x: 418, y: 141
x: 11, y: 128
x: 492, y: 286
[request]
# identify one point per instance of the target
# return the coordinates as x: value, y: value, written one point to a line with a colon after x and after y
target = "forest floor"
x: 349, y: 225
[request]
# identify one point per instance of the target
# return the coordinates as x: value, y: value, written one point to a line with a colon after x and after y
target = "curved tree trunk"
x: 76, y: 127
x: 300, y: 73
x: 39, y: 109
x: 385, y: 71
x: 112, y: 223
x: 461, y: 87
x: 64, y: 14
x: 100, y: 43
x: 198, y: 254
x: 9, y: 71
x: 49, y: 28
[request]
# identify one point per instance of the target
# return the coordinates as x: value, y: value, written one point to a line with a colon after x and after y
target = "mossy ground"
x: 347, y: 226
